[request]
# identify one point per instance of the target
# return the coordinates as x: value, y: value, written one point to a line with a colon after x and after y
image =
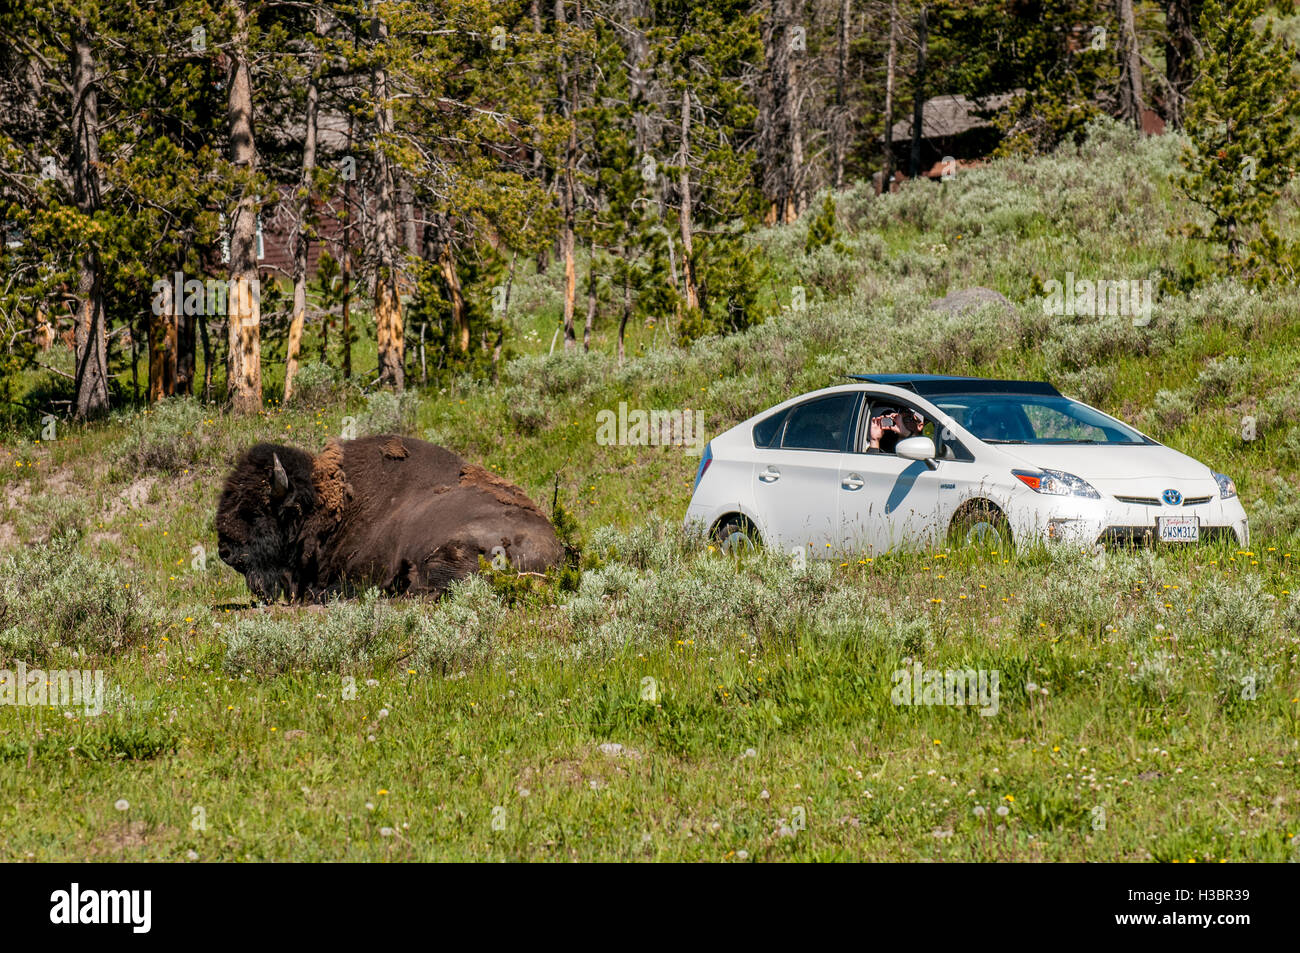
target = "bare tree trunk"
x: 243, y: 358
x: 795, y: 202
x: 303, y: 245
x: 538, y: 157
x: 185, y: 353
x: 504, y: 319
x: 1180, y: 54
x: 672, y: 261
x: 781, y: 143
x: 90, y: 338
x: 918, y: 91
x: 684, y: 214
x: 135, y: 366
x: 887, y: 169
x: 840, y: 123
x: 791, y: 125
x: 591, y: 296
x: 207, y: 357
x: 568, y: 187
x: 459, y: 313
x: 346, y: 305
x: 627, y: 306
x: 162, y: 348
x: 410, y: 234
x: 389, y: 334
x: 639, y: 94
x: 1130, y: 66
x: 567, y: 252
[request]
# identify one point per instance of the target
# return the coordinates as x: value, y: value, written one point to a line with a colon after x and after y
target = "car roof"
x: 928, y: 385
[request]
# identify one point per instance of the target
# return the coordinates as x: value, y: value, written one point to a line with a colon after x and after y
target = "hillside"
x: 1124, y: 731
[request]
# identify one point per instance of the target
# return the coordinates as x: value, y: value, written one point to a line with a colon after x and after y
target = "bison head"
x: 264, y: 504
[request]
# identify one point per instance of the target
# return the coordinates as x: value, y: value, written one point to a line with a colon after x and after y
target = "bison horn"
x: 279, y: 479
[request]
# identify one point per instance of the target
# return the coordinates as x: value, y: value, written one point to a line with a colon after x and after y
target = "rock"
x: 970, y: 299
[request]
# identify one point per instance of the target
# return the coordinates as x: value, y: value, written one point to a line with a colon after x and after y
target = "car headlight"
x: 1227, y: 489
x: 1056, y: 483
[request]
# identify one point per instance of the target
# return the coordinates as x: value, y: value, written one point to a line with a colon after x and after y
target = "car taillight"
x: 705, y: 459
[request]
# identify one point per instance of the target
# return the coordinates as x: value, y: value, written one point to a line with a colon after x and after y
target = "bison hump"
x: 394, y: 449
x: 502, y: 490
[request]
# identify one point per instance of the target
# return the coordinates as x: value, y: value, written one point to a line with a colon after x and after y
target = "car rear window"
x: 821, y: 424
x: 768, y: 430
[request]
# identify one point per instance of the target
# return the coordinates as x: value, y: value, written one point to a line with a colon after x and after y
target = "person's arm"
x: 875, y: 429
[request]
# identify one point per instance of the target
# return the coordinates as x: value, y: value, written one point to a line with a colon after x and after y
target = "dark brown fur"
x: 392, y: 512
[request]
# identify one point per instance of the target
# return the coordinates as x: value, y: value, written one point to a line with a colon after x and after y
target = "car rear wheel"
x: 736, y: 535
x: 981, y: 526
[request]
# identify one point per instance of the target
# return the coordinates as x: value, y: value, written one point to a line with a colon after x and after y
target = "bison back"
x: 420, y: 517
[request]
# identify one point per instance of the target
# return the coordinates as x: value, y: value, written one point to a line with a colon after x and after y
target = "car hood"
x: 1118, y: 468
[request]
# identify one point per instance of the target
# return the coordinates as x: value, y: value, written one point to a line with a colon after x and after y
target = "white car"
x: 999, y: 463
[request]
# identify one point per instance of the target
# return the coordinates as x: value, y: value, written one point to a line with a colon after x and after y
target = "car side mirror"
x: 916, y: 448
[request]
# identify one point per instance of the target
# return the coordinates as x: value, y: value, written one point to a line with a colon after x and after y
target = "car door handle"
x: 852, y: 482
x: 770, y: 475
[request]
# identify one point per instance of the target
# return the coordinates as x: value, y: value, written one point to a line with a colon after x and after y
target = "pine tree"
x: 139, y: 201
x: 1242, y: 120
x: 706, y: 56
x: 470, y: 116
x: 1057, y: 58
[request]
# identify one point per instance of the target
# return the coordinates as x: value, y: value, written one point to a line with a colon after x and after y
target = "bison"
x: 395, y: 513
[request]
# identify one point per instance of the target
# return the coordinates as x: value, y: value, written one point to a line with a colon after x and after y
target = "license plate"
x: 1178, y: 529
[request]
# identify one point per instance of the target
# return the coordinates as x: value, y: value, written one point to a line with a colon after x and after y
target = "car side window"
x: 821, y: 424
x: 888, y: 440
x: 947, y: 446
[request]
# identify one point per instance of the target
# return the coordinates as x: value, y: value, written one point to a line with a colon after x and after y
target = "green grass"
x: 1181, y: 765
x: 772, y: 687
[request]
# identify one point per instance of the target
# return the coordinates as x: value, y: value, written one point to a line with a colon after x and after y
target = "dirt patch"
x: 134, y: 496
x: 16, y: 494
x: 564, y: 771
x: 58, y: 481
x: 126, y: 835
x: 594, y: 766
x: 614, y: 750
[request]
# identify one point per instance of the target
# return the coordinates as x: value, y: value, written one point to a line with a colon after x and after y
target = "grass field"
x: 677, y: 704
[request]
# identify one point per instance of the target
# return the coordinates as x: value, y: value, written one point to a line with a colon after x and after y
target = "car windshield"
x: 1035, y: 418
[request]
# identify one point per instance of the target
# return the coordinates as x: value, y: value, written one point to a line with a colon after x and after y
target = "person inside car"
x: 891, y: 426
